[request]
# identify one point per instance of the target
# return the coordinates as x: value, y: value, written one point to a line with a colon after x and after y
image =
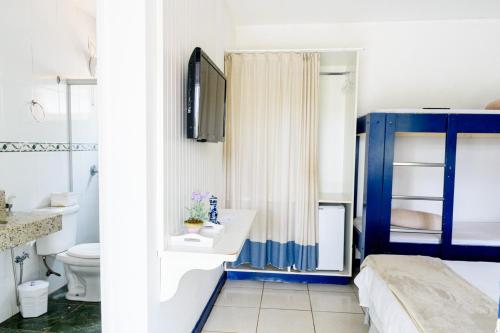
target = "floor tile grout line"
x: 260, y: 307
x: 332, y: 291
x: 355, y: 313
x: 237, y: 306
x: 242, y: 287
x: 311, y: 305
x: 285, y: 289
x: 282, y: 309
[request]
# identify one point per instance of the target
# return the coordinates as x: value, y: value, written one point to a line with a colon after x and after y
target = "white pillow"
x: 414, y: 219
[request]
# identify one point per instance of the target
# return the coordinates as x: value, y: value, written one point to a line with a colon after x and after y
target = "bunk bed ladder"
x: 416, y: 123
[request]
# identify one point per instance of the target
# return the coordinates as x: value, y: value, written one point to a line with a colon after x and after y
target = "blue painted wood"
x: 371, y: 238
x: 431, y: 250
x: 386, y: 204
x: 361, y: 125
x: 211, y: 302
x: 473, y: 253
x: 290, y: 278
x: 477, y: 123
x: 449, y: 185
x: 414, y: 123
x: 356, y: 171
x: 379, y: 176
x: 464, y: 123
x: 418, y: 122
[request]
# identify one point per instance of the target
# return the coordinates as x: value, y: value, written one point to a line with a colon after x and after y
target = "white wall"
x: 331, y: 133
x: 336, y: 131
x: 189, y: 165
x: 404, y: 64
x: 38, y: 41
x: 411, y: 65
x: 476, y: 176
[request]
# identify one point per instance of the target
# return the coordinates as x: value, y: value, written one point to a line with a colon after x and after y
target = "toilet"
x: 82, y: 268
x: 81, y: 261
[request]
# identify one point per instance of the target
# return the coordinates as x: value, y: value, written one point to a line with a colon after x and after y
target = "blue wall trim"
x: 211, y: 302
x: 283, y: 277
x: 280, y: 255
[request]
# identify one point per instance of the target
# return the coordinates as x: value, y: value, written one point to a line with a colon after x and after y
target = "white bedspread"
x: 388, y: 316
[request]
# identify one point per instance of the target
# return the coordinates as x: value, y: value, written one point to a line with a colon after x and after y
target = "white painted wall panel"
x: 189, y: 165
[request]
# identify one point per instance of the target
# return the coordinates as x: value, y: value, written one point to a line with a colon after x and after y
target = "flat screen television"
x: 206, y: 99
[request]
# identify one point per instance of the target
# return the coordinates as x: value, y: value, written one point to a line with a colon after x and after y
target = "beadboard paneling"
x: 189, y: 165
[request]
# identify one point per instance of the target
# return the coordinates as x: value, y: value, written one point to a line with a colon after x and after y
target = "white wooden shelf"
x: 333, y: 198
x: 178, y: 260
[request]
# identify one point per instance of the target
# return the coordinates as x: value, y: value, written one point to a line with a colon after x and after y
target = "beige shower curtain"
x: 271, y: 154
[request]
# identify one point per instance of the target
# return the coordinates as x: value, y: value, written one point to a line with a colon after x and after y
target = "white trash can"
x: 33, y: 296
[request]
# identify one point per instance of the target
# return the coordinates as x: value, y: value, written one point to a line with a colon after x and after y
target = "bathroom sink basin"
x: 20, y: 228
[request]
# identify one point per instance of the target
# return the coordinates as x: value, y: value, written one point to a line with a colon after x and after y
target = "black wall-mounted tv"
x: 206, y: 99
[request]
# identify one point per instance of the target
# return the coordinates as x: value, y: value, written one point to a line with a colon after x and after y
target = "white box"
x: 33, y: 296
x: 63, y: 199
x: 331, y: 238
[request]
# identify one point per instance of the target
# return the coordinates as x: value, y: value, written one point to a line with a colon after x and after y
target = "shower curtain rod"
x: 353, y: 49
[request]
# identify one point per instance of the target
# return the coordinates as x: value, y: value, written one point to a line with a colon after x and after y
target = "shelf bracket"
x: 173, y: 266
x: 176, y: 261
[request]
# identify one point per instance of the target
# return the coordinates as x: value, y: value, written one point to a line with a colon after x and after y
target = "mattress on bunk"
x: 464, y: 233
x: 388, y: 315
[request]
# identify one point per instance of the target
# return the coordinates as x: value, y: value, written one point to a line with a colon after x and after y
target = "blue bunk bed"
x: 372, y: 232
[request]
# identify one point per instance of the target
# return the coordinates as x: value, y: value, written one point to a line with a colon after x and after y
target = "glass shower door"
x: 84, y: 166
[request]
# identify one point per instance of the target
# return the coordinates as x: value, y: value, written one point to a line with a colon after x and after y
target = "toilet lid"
x: 85, y: 251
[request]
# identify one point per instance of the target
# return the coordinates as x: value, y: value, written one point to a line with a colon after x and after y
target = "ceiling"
x: 257, y: 12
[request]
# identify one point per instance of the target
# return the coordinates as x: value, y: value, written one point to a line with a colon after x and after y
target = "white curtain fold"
x: 271, y: 153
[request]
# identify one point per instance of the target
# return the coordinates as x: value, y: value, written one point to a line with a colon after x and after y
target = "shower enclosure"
x: 83, y: 155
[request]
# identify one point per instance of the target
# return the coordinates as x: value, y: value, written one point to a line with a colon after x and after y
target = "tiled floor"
x: 62, y: 316
x: 270, y: 307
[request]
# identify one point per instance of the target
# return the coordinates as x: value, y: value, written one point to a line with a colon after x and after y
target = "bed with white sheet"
x: 386, y: 313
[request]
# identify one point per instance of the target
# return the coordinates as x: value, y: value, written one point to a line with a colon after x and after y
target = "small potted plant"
x: 197, y: 213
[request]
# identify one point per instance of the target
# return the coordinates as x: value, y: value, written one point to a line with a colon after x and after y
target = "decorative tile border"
x: 30, y: 147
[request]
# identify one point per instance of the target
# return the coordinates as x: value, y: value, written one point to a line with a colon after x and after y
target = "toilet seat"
x: 70, y: 260
x: 86, y: 254
x: 85, y: 251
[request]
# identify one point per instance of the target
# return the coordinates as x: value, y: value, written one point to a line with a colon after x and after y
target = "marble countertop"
x: 20, y: 228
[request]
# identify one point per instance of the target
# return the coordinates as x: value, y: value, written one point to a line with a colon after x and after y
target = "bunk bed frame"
x: 380, y: 131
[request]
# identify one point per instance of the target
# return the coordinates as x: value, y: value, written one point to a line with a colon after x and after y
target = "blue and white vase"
x: 213, y: 210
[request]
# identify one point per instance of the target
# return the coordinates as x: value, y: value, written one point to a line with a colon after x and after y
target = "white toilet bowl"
x: 82, y: 268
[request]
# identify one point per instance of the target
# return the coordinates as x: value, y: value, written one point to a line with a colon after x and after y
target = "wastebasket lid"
x: 33, y: 285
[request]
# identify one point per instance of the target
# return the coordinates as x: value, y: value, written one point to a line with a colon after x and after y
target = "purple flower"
x: 199, y: 197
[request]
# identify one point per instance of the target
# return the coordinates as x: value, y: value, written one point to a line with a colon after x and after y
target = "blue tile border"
x: 31, y: 147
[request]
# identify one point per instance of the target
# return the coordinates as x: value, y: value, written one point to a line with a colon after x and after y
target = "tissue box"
x: 63, y: 199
